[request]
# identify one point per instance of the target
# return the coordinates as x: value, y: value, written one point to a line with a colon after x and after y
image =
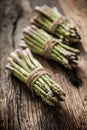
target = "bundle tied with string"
x: 26, y: 68
x: 42, y: 43
x: 58, y: 21
x: 53, y: 22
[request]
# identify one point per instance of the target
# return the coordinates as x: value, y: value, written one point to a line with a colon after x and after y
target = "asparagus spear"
x: 36, y: 39
x: 22, y: 64
x: 52, y: 21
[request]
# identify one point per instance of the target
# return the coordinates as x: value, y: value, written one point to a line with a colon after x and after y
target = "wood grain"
x: 18, y: 109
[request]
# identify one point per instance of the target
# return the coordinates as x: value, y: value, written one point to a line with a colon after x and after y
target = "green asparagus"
x: 36, y: 39
x: 22, y: 64
x: 53, y: 22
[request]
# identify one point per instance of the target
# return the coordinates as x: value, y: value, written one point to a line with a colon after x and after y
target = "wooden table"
x: 18, y: 109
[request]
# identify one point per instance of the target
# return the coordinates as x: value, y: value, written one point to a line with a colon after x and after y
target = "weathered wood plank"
x: 77, y: 11
x: 20, y: 110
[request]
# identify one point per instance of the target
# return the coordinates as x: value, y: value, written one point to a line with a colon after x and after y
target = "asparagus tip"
x: 8, y: 67
x: 23, y: 45
x: 37, y: 7
x: 25, y: 30
x: 62, y: 97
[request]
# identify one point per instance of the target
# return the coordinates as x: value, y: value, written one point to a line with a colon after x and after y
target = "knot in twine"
x: 49, y: 46
x: 56, y: 23
x: 35, y: 74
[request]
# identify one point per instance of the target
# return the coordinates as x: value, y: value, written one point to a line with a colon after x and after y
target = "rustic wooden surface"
x: 18, y: 109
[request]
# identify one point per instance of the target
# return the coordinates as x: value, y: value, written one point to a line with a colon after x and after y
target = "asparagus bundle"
x: 26, y: 68
x: 52, y: 21
x: 44, y: 44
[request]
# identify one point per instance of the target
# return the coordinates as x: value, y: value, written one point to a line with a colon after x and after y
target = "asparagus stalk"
x: 21, y: 63
x: 45, y: 16
x: 36, y: 39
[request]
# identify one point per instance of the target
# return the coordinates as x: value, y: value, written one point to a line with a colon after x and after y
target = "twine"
x: 49, y: 46
x: 35, y: 74
x: 56, y: 23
